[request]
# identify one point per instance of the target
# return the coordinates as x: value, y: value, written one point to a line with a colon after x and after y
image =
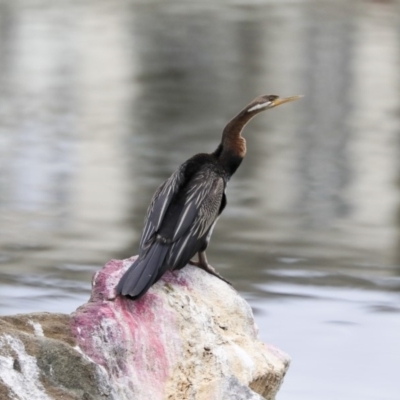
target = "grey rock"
x: 191, y: 337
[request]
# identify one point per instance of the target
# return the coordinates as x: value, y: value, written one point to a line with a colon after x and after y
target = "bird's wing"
x: 182, y: 212
x: 203, y: 197
x: 203, y: 201
x: 158, y: 206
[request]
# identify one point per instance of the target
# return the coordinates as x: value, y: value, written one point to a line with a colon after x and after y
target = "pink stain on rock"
x: 127, y: 337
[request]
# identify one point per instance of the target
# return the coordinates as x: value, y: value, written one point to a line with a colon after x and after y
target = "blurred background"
x: 101, y: 101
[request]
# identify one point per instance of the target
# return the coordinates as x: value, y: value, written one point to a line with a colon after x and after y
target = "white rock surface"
x: 190, y: 337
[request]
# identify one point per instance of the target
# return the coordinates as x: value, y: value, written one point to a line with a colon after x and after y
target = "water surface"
x: 99, y: 102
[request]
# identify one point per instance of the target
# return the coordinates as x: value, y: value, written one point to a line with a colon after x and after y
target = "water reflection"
x: 100, y: 102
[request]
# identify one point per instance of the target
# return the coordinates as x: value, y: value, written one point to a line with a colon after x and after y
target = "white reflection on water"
x: 100, y: 102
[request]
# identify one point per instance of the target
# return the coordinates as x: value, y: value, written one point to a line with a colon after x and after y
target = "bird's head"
x: 233, y: 143
x: 265, y: 102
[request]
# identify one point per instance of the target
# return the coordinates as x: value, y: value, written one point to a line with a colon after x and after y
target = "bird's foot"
x: 210, y: 269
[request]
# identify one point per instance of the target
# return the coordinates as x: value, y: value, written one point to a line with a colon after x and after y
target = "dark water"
x: 100, y: 101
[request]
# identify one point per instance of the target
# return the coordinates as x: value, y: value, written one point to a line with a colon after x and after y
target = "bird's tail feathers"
x: 142, y: 273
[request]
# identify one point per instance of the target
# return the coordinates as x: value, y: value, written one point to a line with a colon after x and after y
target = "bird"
x: 185, y: 208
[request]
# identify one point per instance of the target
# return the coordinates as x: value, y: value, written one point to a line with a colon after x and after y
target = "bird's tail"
x: 142, y: 273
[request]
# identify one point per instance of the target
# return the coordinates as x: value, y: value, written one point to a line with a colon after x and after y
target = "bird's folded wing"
x: 202, y: 202
x: 197, y: 209
x: 196, y: 220
x: 159, y: 205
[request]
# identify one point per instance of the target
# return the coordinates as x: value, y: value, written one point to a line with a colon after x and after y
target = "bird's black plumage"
x: 184, y: 209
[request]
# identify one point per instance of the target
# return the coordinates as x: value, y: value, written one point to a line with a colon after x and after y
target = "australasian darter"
x: 184, y: 209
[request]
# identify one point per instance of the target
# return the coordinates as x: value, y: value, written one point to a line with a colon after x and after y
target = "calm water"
x: 101, y: 101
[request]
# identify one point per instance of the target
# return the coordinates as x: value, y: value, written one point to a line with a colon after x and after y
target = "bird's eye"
x: 272, y: 97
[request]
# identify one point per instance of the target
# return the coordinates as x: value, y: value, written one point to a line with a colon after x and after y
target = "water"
x: 101, y: 101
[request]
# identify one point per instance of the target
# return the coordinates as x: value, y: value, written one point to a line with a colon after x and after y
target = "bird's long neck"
x: 232, y: 148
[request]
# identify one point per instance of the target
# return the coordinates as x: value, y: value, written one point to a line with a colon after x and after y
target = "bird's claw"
x: 210, y: 269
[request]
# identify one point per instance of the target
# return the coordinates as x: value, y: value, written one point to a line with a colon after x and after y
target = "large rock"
x: 190, y: 337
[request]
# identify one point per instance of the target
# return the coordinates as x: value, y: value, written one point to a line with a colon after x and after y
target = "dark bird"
x: 184, y: 209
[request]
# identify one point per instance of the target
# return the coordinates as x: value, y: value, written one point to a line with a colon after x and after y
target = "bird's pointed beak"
x: 283, y: 100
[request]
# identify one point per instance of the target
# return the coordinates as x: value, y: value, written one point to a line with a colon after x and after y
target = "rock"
x: 38, y: 360
x: 190, y: 337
